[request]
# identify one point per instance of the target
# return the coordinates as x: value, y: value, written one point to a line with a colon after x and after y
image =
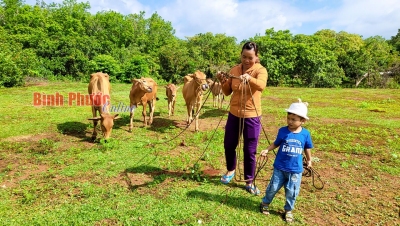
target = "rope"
x: 240, y: 133
x: 260, y: 164
x: 311, y: 172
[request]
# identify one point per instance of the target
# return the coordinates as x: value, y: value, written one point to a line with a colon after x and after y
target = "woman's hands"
x: 222, y: 78
x: 245, y: 77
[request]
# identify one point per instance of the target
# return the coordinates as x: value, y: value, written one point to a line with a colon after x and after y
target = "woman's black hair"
x: 250, y: 46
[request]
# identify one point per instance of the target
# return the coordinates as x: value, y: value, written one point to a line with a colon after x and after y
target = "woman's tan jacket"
x: 241, y: 100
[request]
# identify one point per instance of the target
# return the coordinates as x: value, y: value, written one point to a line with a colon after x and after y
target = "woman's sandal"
x: 264, y: 208
x: 289, y: 217
x: 252, y: 189
x: 226, y: 179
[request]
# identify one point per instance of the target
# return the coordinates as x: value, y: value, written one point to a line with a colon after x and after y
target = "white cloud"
x: 246, y: 18
x: 369, y: 17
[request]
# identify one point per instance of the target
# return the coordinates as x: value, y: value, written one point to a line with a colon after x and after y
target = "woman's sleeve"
x: 259, y: 82
x: 227, y: 86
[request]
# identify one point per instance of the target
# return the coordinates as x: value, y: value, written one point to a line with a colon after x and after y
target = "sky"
x: 244, y: 19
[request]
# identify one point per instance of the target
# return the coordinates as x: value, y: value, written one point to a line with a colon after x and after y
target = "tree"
x: 277, y: 52
x: 106, y: 64
x: 213, y: 52
x: 315, y: 65
x: 395, y: 41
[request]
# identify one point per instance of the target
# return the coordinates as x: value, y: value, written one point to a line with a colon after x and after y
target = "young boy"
x: 288, y: 165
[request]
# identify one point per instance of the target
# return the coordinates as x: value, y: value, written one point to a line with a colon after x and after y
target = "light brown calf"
x: 99, y: 90
x: 216, y: 90
x: 143, y: 92
x: 192, y: 91
x: 170, y: 91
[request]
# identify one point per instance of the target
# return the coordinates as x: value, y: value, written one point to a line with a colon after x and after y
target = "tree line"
x: 60, y: 41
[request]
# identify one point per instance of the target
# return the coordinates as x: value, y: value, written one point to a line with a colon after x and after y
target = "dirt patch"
x: 31, y: 137
x: 14, y: 177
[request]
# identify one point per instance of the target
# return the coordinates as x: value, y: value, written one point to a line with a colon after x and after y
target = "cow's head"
x: 106, y: 123
x: 99, y: 75
x: 144, y: 85
x: 171, y: 90
x: 200, y: 79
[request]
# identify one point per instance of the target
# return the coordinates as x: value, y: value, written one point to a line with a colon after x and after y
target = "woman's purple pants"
x: 251, y: 131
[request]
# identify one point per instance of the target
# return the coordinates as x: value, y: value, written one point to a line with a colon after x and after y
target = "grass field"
x: 52, y: 174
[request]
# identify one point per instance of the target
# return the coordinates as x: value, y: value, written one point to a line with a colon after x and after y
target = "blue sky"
x: 246, y: 18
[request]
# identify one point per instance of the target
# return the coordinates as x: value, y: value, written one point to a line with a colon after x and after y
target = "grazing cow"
x: 99, y: 90
x: 192, y: 91
x: 216, y: 90
x: 143, y: 92
x: 170, y: 91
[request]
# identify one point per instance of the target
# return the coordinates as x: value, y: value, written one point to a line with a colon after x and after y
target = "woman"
x: 246, y: 82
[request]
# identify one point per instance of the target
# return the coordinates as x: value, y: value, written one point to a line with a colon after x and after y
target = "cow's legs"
x: 197, y: 115
x: 173, y: 107
x: 170, y: 108
x: 144, y: 114
x: 132, y: 114
x: 152, y: 106
x: 94, y: 134
x: 189, y: 107
x: 214, y: 101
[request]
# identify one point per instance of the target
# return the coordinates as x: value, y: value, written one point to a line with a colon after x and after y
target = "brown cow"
x: 192, y: 91
x: 99, y: 90
x: 143, y: 92
x: 216, y: 90
x: 170, y: 91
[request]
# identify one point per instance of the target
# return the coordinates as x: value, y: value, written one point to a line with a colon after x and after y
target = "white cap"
x: 299, y: 109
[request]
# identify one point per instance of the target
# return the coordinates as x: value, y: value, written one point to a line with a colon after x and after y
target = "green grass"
x: 52, y: 174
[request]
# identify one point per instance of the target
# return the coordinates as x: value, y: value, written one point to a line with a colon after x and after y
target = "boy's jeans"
x: 291, y: 182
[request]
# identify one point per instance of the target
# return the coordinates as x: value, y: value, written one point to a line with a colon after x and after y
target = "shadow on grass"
x: 153, y: 176
x: 122, y: 121
x: 75, y: 129
x: 162, y: 125
x: 159, y: 124
x: 145, y: 175
x: 236, y: 201
x: 213, y: 113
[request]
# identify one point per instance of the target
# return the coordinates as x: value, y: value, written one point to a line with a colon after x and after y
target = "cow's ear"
x: 94, y: 119
x: 116, y: 117
x: 135, y: 80
x: 166, y: 87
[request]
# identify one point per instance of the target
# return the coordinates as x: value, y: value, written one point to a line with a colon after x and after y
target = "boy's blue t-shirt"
x: 291, y: 145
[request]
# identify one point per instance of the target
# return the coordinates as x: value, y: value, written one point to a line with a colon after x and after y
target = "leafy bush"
x: 11, y: 74
x: 136, y: 67
x: 106, y: 64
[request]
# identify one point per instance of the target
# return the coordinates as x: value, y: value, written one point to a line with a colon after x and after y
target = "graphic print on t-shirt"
x: 292, y: 147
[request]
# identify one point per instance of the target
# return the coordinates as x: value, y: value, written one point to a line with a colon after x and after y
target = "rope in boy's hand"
x: 309, y: 171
